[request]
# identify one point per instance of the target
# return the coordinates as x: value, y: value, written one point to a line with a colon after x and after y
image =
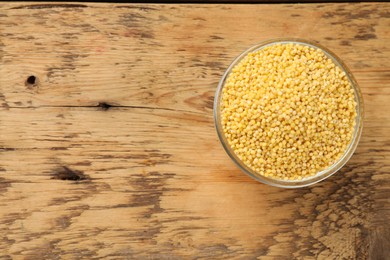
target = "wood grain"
x: 110, y: 152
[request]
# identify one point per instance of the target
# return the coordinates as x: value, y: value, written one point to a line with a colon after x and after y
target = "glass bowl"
x: 319, y: 175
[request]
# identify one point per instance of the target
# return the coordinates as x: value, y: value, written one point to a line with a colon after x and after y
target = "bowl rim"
x: 320, y: 175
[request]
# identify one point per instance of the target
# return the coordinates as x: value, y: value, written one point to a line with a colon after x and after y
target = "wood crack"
x: 50, y: 6
x: 106, y: 106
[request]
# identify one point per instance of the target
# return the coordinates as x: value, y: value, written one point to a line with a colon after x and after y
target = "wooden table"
x: 108, y: 147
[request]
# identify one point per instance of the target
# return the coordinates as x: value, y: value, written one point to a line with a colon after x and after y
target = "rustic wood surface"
x: 110, y: 151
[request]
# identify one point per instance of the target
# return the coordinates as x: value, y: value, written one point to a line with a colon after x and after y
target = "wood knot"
x: 31, y: 81
x: 66, y: 174
x: 104, y: 106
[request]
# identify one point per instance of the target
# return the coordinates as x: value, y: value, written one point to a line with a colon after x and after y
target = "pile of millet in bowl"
x: 288, y: 111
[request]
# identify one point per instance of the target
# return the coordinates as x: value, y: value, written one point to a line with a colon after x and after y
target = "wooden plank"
x: 111, y: 152
x: 217, y: 2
